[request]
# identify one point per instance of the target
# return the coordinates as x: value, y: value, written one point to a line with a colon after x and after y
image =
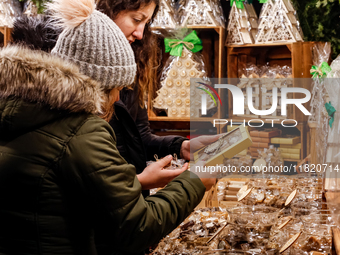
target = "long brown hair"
x: 146, y: 51
x: 107, y: 105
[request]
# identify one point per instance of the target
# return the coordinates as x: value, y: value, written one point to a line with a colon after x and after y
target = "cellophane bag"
x: 332, y: 182
x: 262, y: 80
x: 165, y: 18
x: 320, y: 96
x: 200, y: 13
x: 271, y: 191
x: 332, y: 86
x: 191, y: 236
x: 249, y: 78
x: 180, y: 79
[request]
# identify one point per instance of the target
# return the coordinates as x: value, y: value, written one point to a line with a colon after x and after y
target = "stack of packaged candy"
x: 262, y: 80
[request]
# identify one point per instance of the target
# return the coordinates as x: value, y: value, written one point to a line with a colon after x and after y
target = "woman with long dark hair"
x: 134, y: 18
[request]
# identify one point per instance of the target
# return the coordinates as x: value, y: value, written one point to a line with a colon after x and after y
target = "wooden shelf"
x: 259, y: 45
x: 298, y: 55
x: 218, y: 29
x: 292, y: 160
x: 213, y: 39
x: 287, y: 160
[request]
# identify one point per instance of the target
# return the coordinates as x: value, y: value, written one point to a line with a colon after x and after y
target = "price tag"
x: 291, y: 197
x: 244, y: 195
x: 290, y: 242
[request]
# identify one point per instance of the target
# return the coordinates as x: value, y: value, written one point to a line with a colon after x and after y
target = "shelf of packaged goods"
x: 298, y: 55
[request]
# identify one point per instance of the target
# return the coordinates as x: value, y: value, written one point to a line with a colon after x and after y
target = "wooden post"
x: 7, y: 35
x: 221, y: 58
x: 312, y: 127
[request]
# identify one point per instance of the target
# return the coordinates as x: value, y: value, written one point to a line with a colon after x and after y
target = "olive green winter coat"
x: 64, y: 188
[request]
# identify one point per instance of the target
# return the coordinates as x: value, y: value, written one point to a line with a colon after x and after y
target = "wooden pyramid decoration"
x: 264, y: 21
x: 9, y: 10
x: 31, y: 9
x: 242, y: 26
x: 278, y: 23
x: 175, y: 94
x: 165, y: 16
x: 198, y: 13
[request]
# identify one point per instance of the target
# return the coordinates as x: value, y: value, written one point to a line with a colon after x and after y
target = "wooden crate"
x: 212, y: 201
x: 296, y: 55
x: 6, y: 31
x: 213, y: 53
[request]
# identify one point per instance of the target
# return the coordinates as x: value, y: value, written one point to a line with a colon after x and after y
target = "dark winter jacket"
x: 142, y: 145
x: 62, y: 180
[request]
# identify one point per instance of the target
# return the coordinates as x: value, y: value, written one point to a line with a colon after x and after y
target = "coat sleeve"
x: 160, y: 145
x: 93, y: 166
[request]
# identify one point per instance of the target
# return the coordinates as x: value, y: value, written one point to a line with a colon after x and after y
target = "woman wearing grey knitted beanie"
x: 96, y: 44
x: 64, y: 188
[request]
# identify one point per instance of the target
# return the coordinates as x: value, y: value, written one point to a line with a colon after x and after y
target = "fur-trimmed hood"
x: 35, y: 76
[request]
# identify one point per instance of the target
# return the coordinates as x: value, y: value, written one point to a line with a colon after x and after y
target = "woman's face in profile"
x: 132, y: 23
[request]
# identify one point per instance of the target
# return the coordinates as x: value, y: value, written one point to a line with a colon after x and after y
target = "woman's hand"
x: 195, y: 144
x: 155, y: 176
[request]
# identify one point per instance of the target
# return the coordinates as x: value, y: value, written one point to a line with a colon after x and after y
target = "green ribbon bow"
x: 263, y: 1
x: 321, y: 71
x: 331, y: 110
x: 249, y: 1
x: 239, y: 3
x: 175, y: 46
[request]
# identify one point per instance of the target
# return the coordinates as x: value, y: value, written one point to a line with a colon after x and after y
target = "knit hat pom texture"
x: 94, y: 42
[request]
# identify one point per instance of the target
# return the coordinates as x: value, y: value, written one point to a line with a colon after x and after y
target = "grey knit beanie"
x: 95, y: 43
